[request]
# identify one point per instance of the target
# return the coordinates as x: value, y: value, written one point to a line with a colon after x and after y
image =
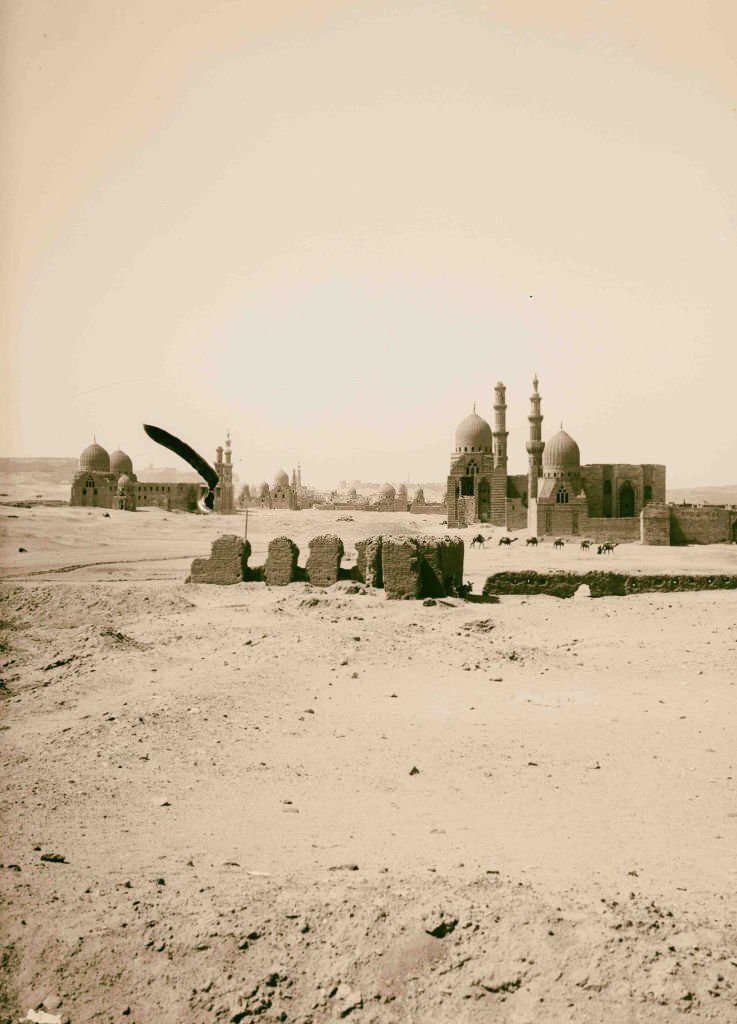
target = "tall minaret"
x: 226, y: 478
x: 500, y: 434
x: 536, y: 444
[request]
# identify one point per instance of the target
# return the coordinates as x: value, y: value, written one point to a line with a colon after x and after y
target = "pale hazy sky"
x: 332, y: 226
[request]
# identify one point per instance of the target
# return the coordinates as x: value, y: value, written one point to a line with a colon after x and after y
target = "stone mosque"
x: 557, y: 495
x: 108, y: 481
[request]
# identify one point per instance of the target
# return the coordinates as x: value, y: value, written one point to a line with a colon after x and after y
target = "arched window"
x: 561, y: 495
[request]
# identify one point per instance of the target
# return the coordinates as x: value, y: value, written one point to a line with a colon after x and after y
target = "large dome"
x: 561, y: 452
x: 120, y: 463
x: 94, y: 459
x: 281, y: 479
x: 474, y: 434
x: 387, y: 491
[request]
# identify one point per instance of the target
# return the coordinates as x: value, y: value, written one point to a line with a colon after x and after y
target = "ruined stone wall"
x: 281, y: 562
x: 434, y: 508
x: 415, y: 567
x: 368, y: 561
x: 655, y: 524
x: 701, y: 525
x: 601, y: 584
x: 323, y: 561
x: 227, y: 564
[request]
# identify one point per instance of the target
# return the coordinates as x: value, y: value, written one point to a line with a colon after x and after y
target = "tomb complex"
x: 108, y: 481
x: 557, y: 495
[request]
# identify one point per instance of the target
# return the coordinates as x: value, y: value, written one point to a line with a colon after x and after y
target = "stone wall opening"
x: 626, y: 500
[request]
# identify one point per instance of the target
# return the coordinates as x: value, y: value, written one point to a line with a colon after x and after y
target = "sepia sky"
x: 333, y: 226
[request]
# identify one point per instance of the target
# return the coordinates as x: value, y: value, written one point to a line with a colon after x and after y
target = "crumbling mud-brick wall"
x: 368, y: 561
x: 227, y: 564
x: 415, y: 567
x: 442, y: 566
x: 281, y: 562
x: 323, y: 561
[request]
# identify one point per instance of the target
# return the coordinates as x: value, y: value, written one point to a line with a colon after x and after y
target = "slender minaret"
x: 500, y: 434
x: 536, y: 444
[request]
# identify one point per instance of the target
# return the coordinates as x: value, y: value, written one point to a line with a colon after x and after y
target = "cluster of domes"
x: 473, y: 435
x: 94, y: 459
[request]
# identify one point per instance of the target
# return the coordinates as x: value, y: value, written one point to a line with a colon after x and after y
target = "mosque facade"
x: 108, y: 481
x: 558, y: 495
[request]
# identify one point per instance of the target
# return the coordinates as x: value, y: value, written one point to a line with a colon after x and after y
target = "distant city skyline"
x: 332, y: 227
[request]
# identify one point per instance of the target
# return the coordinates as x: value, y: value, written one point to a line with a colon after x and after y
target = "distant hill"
x: 725, y: 495
x: 58, y: 471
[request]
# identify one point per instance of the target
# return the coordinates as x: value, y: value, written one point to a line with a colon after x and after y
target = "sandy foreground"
x: 303, y: 805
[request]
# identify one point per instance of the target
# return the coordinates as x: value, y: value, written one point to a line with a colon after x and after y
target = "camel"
x: 532, y: 542
x: 478, y: 539
x: 559, y: 543
x: 585, y: 545
x: 507, y: 541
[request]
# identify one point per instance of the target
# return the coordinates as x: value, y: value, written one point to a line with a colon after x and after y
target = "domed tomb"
x: 281, y: 479
x: 473, y: 434
x: 387, y: 491
x: 561, y: 455
x: 120, y: 463
x: 94, y: 459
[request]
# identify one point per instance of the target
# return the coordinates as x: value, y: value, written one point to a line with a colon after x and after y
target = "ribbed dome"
x: 561, y: 452
x: 387, y: 491
x: 120, y: 462
x: 94, y: 459
x: 281, y: 479
x: 473, y: 433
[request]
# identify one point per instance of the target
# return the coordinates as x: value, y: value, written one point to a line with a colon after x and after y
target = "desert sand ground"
x: 303, y: 805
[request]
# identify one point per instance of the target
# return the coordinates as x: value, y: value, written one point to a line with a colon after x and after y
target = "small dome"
x: 473, y: 433
x: 281, y: 479
x: 123, y: 481
x: 402, y: 490
x: 561, y: 452
x: 94, y: 459
x: 263, y: 489
x: 387, y: 491
x: 120, y: 463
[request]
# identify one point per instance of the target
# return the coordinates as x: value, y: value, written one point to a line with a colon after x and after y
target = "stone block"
x: 368, y: 561
x: 227, y: 564
x: 281, y: 562
x: 416, y: 567
x: 323, y: 561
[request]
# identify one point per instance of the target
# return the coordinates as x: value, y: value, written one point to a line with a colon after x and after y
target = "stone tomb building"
x: 108, y: 481
x: 557, y: 495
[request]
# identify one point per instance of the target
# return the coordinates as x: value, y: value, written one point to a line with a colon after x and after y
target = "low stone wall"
x: 614, y: 529
x: 701, y: 524
x: 281, y: 562
x: 368, y: 561
x: 323, y: 562
x: 601, y: 584
x: 428, y: 508
x: 227, y: 564
x: 415, y: 567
